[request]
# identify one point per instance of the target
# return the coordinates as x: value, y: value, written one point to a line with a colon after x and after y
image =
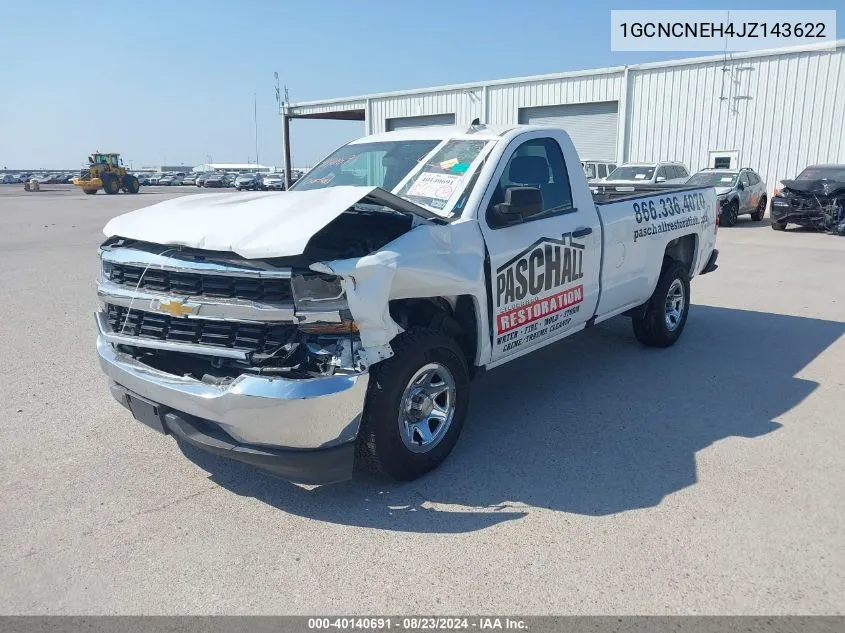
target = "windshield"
x: 833, y: 172
x: 631, y: 172
x: 444, y: 175
x: 367, y: 164
x: 711, y: 179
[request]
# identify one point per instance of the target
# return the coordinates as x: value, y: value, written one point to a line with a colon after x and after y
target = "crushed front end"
x: 256, y: 360
x: 816, y: 204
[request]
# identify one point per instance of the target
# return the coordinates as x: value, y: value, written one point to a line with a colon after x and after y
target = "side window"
x: 536, y: 163
x: 753, y: 178
x: 602, y: 170
x: 682, y: 171
x: 661, y: 173
x: 744, y: 179
x: 610, y: 167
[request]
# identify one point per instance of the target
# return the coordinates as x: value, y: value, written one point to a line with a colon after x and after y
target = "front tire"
x: 667, y: 309
x: 730, y: 214
x: 761, y: 210
x: 416, y: 406
x: 778, y: 226
x: 111, y: 184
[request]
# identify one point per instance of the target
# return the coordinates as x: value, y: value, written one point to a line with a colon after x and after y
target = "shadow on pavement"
x: 593, y: 425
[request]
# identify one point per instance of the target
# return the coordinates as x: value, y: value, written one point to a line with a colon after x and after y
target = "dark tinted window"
x: 602, y: 170
x: 662, y: 172
x: 744, y: 179
x: 834, y: 172
x: 682, y: 171
x: 537, y: 163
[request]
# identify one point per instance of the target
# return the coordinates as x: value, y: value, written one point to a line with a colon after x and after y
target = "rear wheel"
x: 131, y: 184
x: 730, y: 214
x: 761, y: 210
x: 666, y: 311
x: 111, y: 184
x: 416, y: 405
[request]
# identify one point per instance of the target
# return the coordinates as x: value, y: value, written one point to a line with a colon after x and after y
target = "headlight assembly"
x: 320, y: 293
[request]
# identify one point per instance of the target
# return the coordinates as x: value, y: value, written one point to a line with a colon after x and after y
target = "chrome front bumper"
x: 279, y: 413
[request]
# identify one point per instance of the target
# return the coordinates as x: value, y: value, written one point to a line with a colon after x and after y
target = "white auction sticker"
x: 431, y: 185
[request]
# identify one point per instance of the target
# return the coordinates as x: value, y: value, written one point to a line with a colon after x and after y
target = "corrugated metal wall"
x: 506, y: 100
x: 782, y: 112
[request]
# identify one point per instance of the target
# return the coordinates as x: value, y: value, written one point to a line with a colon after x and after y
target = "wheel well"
x: 682, y: 249
x: 456, y: 317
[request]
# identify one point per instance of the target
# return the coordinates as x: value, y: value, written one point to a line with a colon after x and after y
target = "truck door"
x: 544, y: 269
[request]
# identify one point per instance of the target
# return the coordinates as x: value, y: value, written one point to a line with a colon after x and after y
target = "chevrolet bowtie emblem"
x: 175, y: 308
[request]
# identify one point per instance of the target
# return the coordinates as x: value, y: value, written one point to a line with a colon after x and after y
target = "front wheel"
x: 111, y: 184
x: 666, y: 312
x: 416, y: 405
x: 730, y: 215
x: 778, y: 226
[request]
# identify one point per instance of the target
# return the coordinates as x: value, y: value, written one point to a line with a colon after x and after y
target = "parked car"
x: 143, y: 179
x: 384, y: 316
x: 8, y: 179
x: 739, y: 191
x: 201, y: 178
x: 273, y: 182
x: 189, y: 179
x: 251, y: 182
x: 155, y: 178
x: 216, y: 180
x: 171, y: 180
x: 597, y: 169
x: 814, y: 199
x: 665, y: 172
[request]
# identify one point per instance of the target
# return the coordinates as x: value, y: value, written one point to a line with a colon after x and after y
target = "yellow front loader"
x: 106, y: 172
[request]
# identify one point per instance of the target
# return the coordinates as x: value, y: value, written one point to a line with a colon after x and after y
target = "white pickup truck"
x: 341, y: 322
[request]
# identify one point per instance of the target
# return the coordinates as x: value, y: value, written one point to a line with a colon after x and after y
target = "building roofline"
x: 832, y: 46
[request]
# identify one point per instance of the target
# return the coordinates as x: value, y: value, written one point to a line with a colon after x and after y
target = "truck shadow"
x: 593, y: 425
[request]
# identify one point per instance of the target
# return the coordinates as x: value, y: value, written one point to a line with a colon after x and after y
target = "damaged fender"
x: 428, y: 261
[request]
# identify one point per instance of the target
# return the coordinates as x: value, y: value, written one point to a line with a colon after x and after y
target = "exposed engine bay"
x: 818, y: 204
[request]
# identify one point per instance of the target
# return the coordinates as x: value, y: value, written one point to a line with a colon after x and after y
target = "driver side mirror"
x: 661, y: 179
x: 520, y: 204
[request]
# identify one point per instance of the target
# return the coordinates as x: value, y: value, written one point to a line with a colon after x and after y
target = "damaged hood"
x: 252, y: 225
x: 821, y: 187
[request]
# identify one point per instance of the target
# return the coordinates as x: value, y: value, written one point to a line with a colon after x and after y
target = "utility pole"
x: 285, y: 129
x: 255, y: 118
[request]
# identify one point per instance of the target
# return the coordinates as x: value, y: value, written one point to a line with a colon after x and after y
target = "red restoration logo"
x: 529, y: 286
x: 536, y: 310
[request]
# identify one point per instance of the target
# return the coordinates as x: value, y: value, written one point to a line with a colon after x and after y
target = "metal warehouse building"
x: 775, y: 111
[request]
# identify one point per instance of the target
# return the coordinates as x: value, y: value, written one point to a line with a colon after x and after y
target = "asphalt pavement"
x: 593, y: 477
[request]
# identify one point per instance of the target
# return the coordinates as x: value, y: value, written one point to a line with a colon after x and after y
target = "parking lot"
x: 593, y: 477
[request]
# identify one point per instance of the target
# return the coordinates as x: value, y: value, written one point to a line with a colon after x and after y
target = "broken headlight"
x: 313, y: 292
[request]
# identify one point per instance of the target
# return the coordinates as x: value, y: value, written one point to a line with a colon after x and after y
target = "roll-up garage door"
x: 420, y: 121
x: 591, y: 126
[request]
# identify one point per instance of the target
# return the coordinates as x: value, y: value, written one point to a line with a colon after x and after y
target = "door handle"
x: 582, y: 231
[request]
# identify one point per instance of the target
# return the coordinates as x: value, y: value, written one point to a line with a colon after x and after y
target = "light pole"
x: 255, y: 118
x: 285, y: 130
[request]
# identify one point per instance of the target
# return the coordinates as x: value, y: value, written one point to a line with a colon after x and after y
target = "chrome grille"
x: 267, y: 290
x: 254, y: 337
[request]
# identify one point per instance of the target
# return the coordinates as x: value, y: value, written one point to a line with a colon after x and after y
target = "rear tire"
x: 401, y: 433
x: 778, y: 226
x: 111, y: 184
x: 667, y: 309
x: 131, y: 184
x: 761, y: 210
x: 730, y: 214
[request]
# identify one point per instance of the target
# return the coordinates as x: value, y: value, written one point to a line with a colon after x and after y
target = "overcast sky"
x: 173, y: 82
